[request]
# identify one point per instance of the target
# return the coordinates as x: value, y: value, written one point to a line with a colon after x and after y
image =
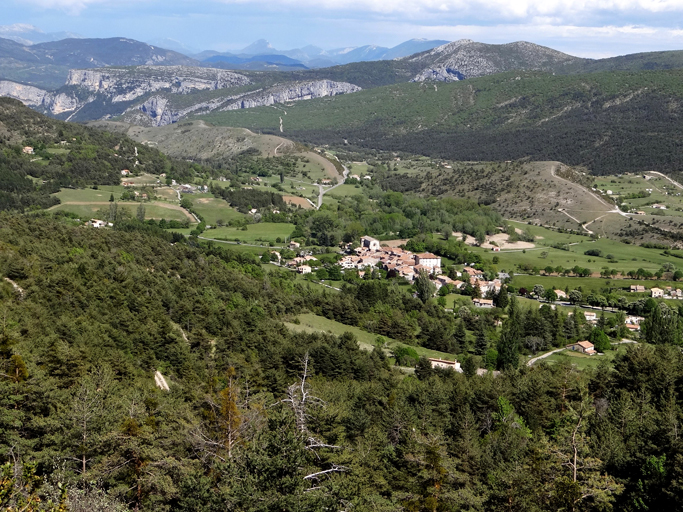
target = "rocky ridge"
x: 158, y: 110
x: 55, y: 103
x: 468, y: 59
x: 126, y: 84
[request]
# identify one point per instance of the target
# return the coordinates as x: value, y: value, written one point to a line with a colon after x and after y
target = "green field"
x: 153, y: 210
x: 588, y: 284
x: 103, y: 192
x: 582, y: 361
x: 345, y: 191
x: 313, y: 323
x: 262, y: 232
x: 625, y: 256
x: 214, y: 209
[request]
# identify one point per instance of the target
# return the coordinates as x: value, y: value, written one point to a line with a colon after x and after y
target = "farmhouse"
x: 294, y: 245
x: 659, y: 206
x: 657, y: 293
x: 585, y: 347
x: 446, y: 364
x: 96, y: 223
x: 561, y: 294
x: 303, y: 269
x: 125, y: 172
x: 28, y: 150
x: 590, y: 316
x: 637, y: 288
x: 483, y: 303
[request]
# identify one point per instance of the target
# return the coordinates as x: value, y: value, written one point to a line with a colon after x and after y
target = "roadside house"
x: 483, y: 303
x: 446, y: 364
x: 657, y: 293
x: 585, y: 347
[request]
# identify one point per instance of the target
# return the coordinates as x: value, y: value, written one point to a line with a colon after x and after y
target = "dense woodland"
x: 259, y: 418
x: 143, y: 370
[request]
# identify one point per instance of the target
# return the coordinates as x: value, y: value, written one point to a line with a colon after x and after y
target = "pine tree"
x: 481, y: 343
x: 508, y: 345
x: 460, y: 337
x: 502, y: 299
x: 141, y: 213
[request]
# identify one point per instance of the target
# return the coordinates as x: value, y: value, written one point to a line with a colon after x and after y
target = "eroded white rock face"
x: 55, y: 103
x: 294, y: 92
x: 27, y: 94
x: 158, y: 110
x: 126, y: 85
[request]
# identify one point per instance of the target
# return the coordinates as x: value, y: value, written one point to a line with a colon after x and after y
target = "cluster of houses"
x: 190, y: 189
x: 632, y: 322
x: 370, y: 254
x: 667, y: 292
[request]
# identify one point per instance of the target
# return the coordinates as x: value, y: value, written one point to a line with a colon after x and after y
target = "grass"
x: 588, y: 284
x: 346, y: 191
x: 152, y: 210
x: 313, y: 323
x: 625, y: 256
x: 264, y: 231
x: 582, y: 361
x: 214, y: 209
x: 103, y: 192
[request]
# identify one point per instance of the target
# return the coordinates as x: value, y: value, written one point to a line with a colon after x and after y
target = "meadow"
x: 366, y: 340
x: 262, y: 232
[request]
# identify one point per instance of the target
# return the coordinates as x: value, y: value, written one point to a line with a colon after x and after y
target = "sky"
x: 584, y: 28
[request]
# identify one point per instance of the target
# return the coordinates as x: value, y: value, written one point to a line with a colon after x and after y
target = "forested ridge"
x: 610, y: 122
x: 68, y: 155
x: 95, y: 313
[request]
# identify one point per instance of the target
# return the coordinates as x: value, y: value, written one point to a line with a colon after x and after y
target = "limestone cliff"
x: 159, y: 111
x: 293, y: 92
x: 125, y: 84
x: 53, y: 102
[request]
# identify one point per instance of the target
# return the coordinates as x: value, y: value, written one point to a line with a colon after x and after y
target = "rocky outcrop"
x: 468, y: 59
x: 53, y: 102
x: 123, y: 85
x: 293, y: 92
x: 158, y: 110
x: 27, y: 94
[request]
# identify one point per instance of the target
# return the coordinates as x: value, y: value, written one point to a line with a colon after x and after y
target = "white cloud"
x: 493, y: 8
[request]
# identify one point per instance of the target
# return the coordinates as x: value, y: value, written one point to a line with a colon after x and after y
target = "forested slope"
x: 67, y: 154
x: 93, y: 314
x: 610, y: 122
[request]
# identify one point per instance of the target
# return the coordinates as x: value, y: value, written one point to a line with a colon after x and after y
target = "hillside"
x: 46, y: 65
x: 66, y: 155
x: 468, y: 59
x: 608, y: 122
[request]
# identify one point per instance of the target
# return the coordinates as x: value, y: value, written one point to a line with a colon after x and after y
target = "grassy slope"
x: 313, y: 323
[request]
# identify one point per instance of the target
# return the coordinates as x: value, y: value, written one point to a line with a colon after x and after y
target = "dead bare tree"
x: 301, y: 401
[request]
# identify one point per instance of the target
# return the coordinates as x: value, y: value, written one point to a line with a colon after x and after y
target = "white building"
x: 446, y: 364
x: 303, y: 269
x: 370, y: 243
x: 427, y: 259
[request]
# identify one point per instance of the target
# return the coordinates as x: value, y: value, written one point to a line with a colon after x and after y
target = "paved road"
x: 323, y: 192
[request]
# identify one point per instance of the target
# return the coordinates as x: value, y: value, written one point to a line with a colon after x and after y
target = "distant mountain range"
x: 28, y: 34
x: 311, y: 56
